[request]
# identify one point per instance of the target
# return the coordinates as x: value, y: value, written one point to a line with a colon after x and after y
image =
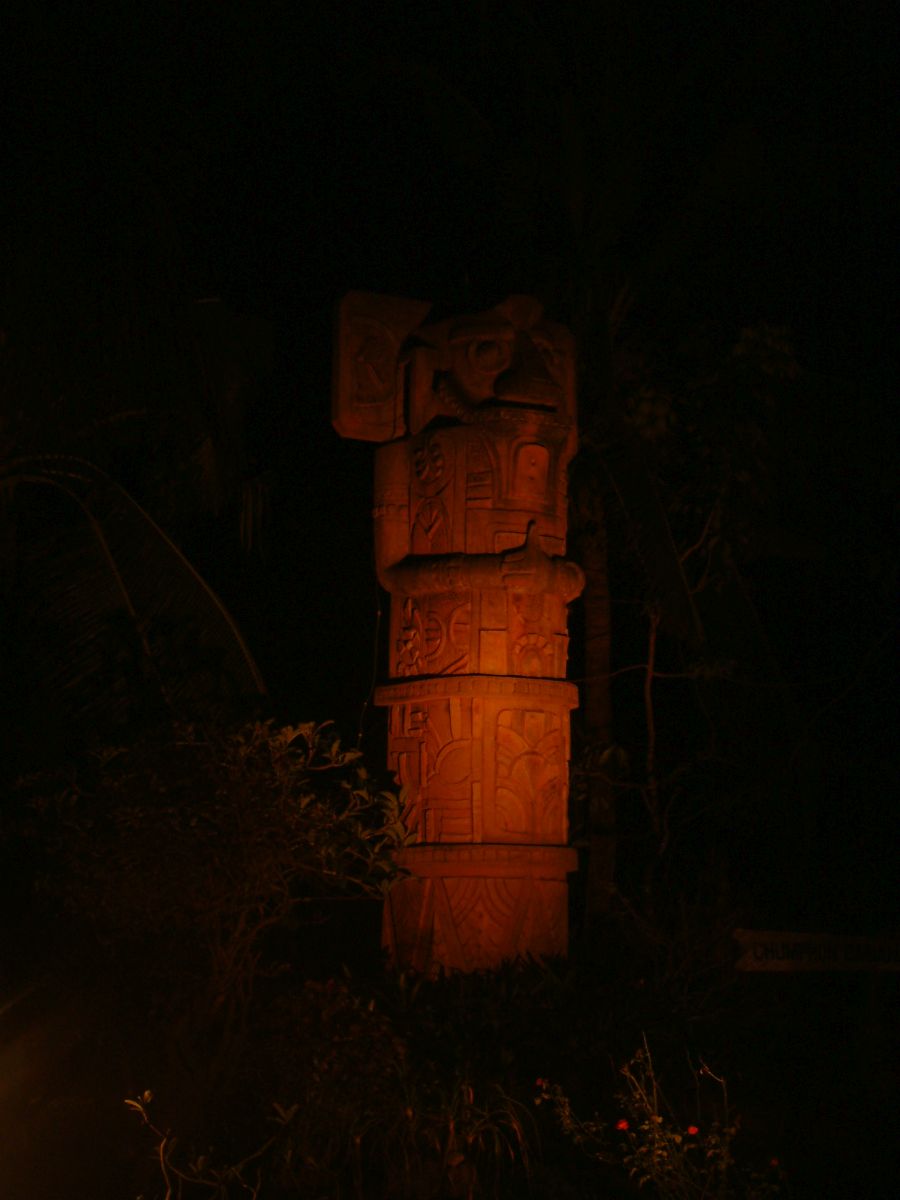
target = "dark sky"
x: 737, y: 163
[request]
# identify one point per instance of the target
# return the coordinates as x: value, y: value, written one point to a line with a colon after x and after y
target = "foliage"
x: 391, y: 1090
x: 115, y: 624
x: 684, y: 470
x: 708, y: 404
x: 379, y: 1091
x: 192, y: 846
x: 123, y: 453
x: 675, y: 1158
x: 363, y: 1111
x: 198, y: 1175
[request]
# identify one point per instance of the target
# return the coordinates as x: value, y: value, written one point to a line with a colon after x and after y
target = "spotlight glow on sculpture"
x: 476, y: 416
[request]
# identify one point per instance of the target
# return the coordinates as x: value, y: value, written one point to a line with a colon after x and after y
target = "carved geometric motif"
x: 431, y: 528
x: 367, y: 401
x: 533, y: 655
x: 430, y: 748
x: 470, y: 520
x: 472, y: 923
x: 373, y: 354
x: 479, y: 475
x: 406, y: 742
x: 430, y: 464
x: 529, y: 795
x: 537, y: 631
x: 433, y: 636
x: 431, y: 494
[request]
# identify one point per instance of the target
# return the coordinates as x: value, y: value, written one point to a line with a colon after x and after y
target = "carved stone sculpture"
x: 476, y: 416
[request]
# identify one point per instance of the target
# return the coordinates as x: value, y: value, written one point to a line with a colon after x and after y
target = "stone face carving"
x: 476, y: 420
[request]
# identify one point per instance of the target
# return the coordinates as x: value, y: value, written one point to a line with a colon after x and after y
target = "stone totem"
x: 476, y: 416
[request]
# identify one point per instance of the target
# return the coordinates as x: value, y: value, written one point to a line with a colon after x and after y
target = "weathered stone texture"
x: 476, y: 416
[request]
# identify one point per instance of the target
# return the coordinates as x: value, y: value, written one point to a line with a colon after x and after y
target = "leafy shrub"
x: 359, y: 1113
x: 189, y: 849
x: 675, y: 1158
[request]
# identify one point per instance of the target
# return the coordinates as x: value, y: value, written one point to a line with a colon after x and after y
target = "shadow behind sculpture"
x: 476, y: 416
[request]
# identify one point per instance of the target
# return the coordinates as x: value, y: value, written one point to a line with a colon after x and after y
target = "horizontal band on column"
x: 547, y: 862
x: 443, y: 686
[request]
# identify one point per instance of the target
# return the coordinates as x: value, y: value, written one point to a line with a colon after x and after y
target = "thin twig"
x: 650, y: 716
x: 702, y: 538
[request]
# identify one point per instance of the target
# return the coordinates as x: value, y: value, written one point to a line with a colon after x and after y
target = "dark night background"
x: 738, y: 166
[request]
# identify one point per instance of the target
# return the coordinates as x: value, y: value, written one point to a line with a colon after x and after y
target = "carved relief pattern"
x: 476, y: 417
x: 431, y: 751
x: 537, y: 635
x: 479, y: 475
x: 467, y: 922
x: 529, y: 801
x: 431, y: 528
x: 505, y: 634
x: 373, y: 352
x: 431, y: 636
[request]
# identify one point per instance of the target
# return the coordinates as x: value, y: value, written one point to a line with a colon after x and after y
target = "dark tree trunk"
x: 596, y: 701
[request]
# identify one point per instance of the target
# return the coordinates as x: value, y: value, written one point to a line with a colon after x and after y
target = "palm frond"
x: 111, y: 614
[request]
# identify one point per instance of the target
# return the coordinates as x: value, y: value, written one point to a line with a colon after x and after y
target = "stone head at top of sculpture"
x: 395, y: 374
x: 476, y: 419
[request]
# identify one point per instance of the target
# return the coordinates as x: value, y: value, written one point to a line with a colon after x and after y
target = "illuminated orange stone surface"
x: 476, y: 416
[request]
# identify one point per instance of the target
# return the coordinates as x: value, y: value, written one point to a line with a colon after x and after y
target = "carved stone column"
x: 477, y: 419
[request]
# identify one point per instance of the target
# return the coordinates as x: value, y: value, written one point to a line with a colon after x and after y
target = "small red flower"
x: 693, y: 1130
x: 773, y: 1162
x: 622, y: 1125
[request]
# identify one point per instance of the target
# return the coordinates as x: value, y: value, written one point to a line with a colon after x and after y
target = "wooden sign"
x: 765, y: 950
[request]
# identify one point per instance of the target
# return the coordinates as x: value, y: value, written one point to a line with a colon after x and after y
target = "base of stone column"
x: 470, y: 908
